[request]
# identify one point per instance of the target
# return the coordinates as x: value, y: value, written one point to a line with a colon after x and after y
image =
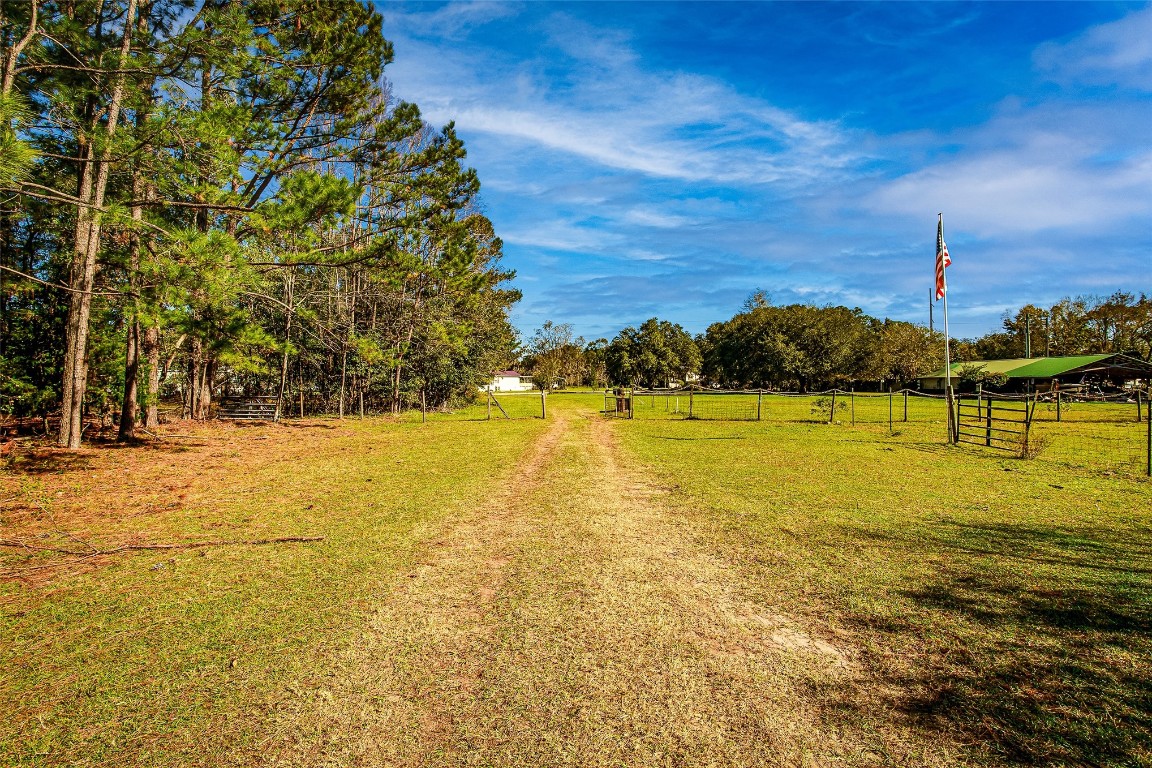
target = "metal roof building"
x: 1112, y: 369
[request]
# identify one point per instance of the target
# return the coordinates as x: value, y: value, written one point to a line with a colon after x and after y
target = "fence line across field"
x: 1110, y: 434
x: 516, y: 405
x: 900, y: 406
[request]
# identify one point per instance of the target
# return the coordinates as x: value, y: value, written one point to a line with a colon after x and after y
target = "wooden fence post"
x: 832, y: 416
x: 953, y: 417
x: 905, y: 406
x: 1148, y: 447
x: 988, y: 427
x: 1059, y: 397
x: 691, y: 392
x: 852, y: 402
x: 759, y: 401
x: 423, y: 408
x: 889, y: 407
x: 489, y: 391
x: 543, y: 404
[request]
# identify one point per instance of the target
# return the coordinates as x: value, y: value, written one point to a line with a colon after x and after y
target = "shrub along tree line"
x: 810, y: 348
x: 202, y: 197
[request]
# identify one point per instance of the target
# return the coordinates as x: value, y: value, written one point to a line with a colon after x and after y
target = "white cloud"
x: 557, y: 235
x: 451, y: 20
x: 657, y: 218
x: 1117, y: 53
x: 1054, y: 169
x: 608, y: 109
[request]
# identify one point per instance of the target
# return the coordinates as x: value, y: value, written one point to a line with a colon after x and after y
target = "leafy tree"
x: 596, y: 363
x: 657, y: 354
x: 791, y: 346
x: 556, y: 356
x: 906, y: 351
x: 232, y: 202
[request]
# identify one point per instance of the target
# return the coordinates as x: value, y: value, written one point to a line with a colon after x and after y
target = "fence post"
x: 953, y: 418
x: 1059, y: 397
x: 852, y: 402
x: 832, y: 415
x: 980, y: 400
x: 489, y: 390
x: 889, y: 407
x: 423, y: 408
x: 691, y: 390
x: 1148, y: 447
x: 1027, y: 424
x: 905, y: 406
x: 988, y: 427
x: 631, y: 402
x: 759, y: 400
x: 1138, y: 396
x: 543, y: 404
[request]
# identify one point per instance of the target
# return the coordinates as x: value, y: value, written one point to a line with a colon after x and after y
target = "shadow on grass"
x: 1049, y: 664
x: 43, y: 462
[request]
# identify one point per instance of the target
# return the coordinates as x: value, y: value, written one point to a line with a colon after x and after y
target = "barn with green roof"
x: 1112, y: 371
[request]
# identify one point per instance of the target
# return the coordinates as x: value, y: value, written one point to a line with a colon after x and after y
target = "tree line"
x: 808, y: 348
x: 203, y: 197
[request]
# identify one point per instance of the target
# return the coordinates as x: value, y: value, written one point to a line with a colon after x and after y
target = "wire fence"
x: 833, y: 406
x: 1107, y: 434
x: 1110, y: 434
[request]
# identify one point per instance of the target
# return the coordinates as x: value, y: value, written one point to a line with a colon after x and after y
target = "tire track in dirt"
x: 575, y: 621
x: 383, y: 703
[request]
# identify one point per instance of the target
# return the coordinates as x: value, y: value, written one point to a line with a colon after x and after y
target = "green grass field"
x: 992, y: 610
x: 150, y: 657
x: 1008, y: 600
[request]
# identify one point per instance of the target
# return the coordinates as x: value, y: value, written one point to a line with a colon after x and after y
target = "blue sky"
x: 668, y: 159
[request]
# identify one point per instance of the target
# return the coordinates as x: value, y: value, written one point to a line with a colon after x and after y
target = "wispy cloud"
x: 451, y: 20
x: 609, y: 110
x: 1053, y: 168
x: 1116, y: 53
x: 632, y: 174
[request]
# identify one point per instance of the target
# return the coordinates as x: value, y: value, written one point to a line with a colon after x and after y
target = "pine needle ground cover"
x: 1004, y: 603
x: 163, y: 657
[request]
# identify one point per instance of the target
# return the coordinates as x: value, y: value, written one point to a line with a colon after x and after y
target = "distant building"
x: 509, y: 381
x: 1112, y: 371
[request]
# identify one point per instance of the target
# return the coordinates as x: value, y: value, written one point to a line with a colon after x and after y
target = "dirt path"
x: 574, y: 621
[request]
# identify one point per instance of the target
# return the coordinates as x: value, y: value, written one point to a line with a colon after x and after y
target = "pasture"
x: 572, y: 591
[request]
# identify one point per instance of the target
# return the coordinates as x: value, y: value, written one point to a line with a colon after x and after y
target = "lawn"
x: 149, y: 657
x: 997, y: 608
x: 1006, y: 601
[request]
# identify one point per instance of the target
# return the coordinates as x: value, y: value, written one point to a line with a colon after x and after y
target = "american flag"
x: 942, y: 259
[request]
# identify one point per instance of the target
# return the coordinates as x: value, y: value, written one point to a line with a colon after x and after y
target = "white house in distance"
x: 509, y: 381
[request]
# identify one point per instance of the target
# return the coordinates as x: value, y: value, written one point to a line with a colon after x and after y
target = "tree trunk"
x: 11, y: 59
x: 288, y: 285
x: 343, y: 379
x: 87, y: 244
x: 195, y: 378
x: 152, y: 349
x: 209, y: 377
x: 130, y: 407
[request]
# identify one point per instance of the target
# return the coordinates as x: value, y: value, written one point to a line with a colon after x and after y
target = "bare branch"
x: 62, y: 287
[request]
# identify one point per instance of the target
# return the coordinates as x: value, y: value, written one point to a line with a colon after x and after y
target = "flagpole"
x: 947, y: 349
